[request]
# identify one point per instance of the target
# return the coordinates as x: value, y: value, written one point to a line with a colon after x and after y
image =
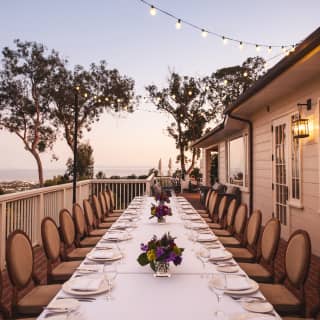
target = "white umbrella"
x: 160, y: 167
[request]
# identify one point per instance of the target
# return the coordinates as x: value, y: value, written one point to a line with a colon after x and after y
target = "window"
x: 295, y: 168
x: 238, y: 161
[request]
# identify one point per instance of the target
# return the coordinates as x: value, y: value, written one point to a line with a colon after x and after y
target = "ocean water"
x: 31, y: 175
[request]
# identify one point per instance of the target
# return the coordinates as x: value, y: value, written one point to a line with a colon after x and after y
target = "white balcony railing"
x: 25, y: 210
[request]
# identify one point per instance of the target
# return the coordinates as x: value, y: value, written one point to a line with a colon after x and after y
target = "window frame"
x: 245, y: 166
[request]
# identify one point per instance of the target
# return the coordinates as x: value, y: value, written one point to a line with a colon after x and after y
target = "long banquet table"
x: 139, y: 295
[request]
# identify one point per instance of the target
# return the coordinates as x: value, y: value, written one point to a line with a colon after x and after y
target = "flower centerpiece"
x: 160, y: 212
x: 159, y: 253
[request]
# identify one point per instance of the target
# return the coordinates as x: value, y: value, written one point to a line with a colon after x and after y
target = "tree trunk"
x: 193, y: 161
x: 181, y: 148
x: 40, y: 168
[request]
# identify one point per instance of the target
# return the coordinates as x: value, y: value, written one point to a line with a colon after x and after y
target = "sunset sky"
x: 123, y: 33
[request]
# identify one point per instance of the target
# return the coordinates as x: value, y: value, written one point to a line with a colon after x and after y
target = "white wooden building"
x: 257, y: 151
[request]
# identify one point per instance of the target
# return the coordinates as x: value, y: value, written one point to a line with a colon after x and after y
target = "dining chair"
x: 204, y: 213
x: 249, y: 252
x: 239, y: 225
x: 213, y: 200
x: 57, y: 271
x: 20, y: 267
x: 111, y: 212
x: 98, y: 214
x: 296, y: 265
x: 83, y: 239
x: 231, y: 212
x: 263, y: 269
x: 70, y: 251
x: 220, y: 215
x: 93, y: 231
x: 104, y: 209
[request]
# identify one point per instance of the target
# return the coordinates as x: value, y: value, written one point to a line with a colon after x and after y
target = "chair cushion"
x: 97, y: 232
x: 242, y: 254
x: 230, y: 242
x: 202, y: 212
x: 34, y: 301
x: 110, y: 219
x: 283, y: 300
x: 89, y: 241
x: 64, y: 270
x: 222, y: 233
x: 104, y: 225
x: 115, y: 214
x: 257, y: 272
x: 78, y: 253
x: 207, y: 220
x: 214, y: 225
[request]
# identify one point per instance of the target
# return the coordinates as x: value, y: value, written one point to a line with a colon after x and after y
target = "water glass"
x: 218, y: 284
x: 110, y: 273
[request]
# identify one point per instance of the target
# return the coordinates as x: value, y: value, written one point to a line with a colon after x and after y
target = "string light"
x: 178, y: 24
x: 153, y: 10
x: 245, y: 74
x: 225, y: 82
x: 205, y: 32
x: 106, y: 99
x: 190, y: 93
x: 173, y: 96
x: 85, y: 95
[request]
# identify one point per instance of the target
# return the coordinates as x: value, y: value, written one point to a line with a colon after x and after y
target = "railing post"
x: 3, y: 207
x: 40, y: 218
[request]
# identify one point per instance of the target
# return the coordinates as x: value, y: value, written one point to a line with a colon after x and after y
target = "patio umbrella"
x: 170, y: 167
x: 160, y: 167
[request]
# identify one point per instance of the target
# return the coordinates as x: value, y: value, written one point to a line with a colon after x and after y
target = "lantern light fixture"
x: 300, y: 126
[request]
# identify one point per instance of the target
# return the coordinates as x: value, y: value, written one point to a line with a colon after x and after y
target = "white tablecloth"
x: 139, y: 295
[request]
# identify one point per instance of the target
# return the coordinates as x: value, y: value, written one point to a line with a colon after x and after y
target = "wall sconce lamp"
x: 300, y: 127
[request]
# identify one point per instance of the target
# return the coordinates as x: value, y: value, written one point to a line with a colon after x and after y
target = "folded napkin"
x: 206, y: 237
x: 199, y: 226
x: 108, y: 254
x: 86, y: 284
x: 237, y: 283
x: 217, y: 254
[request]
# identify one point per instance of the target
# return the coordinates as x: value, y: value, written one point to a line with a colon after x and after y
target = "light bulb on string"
x: 258, y: 48
x: 204, y: 33
x: 85, y: 95
x: 283, y: 49
x: 173, y: 96
x: 269, y: 49
x: 178, y: 24
x: 224, y: 40
x: 106, y: 99
x: 241, y: 45
x: 153, y: 11
x: 225, y: 82
x: 190, y: 93
x: 293, y: 48
x: 245, y: 74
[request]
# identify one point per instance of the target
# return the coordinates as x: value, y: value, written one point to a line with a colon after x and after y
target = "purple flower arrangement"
x: 160, y: 250
x: 160, y: 211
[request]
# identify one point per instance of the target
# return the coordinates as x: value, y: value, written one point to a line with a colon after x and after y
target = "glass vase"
x: 161, y: 220
x: 162, y: 269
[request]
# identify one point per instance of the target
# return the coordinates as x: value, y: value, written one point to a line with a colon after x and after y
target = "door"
x: 281, y: 139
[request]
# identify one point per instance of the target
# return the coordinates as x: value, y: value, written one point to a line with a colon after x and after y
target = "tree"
x: 185, y: 100
x: 101, y: 175
x: 25, y: 79
x: 227, y: 84
x: 100, y: 89
x: 85, y: 162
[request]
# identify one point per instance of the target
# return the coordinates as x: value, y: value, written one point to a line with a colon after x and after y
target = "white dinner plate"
x: 228, y: 269
x: 116, y: 256
x: 258, y: 306
x: 67, y: 287
x: 251, y: 315
x: 227, y: 256
x: 254, y: 287
x: 63, y: 305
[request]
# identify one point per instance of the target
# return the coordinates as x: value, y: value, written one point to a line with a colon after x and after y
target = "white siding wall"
x: 222, y: 162
x: 307, y: 218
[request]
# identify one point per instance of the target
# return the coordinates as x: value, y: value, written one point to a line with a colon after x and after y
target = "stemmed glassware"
x: 204, y: 255
x: 110, y: 273
x: 217, y: 285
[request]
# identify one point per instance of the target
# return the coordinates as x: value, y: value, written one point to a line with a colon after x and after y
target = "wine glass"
x: 217, y: 285
x: 110, y: 273
x: 204, y: 255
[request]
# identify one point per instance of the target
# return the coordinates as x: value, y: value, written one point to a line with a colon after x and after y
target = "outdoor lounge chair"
x: 68, y: 233
x: 82, y: 238
x: 91, y: 225
x: 20, y: 267
x: 297, y: 263
x: 263, y: 271
x: 57, y: 271
x: 249, y: 252
x: 239, y: 226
